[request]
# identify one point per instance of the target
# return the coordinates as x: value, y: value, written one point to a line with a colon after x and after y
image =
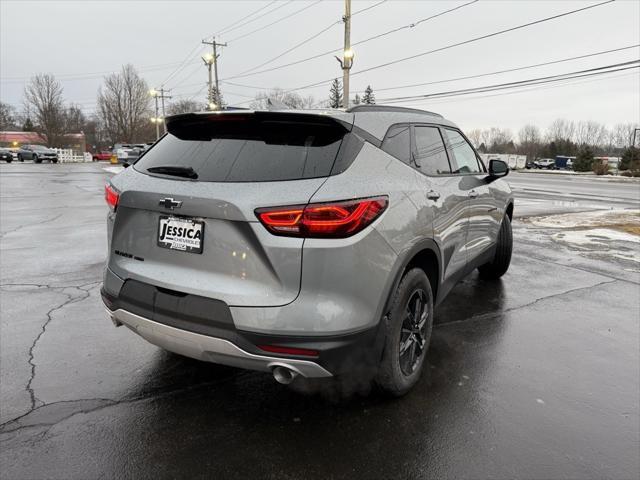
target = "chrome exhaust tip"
x: 284, y: 375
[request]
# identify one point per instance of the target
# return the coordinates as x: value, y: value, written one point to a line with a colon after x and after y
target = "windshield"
x: 248, y: 150
x: 39, y: 147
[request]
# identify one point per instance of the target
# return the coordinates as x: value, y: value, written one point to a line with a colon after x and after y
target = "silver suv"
x: 303, y: 243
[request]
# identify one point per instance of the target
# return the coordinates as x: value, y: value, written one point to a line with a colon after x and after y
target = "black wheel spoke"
x: 413, y: 332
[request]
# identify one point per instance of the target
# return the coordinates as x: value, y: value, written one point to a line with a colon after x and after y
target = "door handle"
x: 433, y: 195
x: 473, y: 194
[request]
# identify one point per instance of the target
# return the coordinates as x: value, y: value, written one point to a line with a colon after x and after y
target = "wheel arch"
x: 509, y: 210
x: 424, y: 255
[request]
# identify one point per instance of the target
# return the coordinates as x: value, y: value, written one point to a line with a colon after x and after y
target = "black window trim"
x: 483, y: 169
x: 444, y: 143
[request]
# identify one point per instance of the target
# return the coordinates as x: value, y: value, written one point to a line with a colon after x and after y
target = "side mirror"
x: 125, y: 164
x: 498, y: 168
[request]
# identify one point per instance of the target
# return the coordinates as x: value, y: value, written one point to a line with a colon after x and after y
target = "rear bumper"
x: 211, y: 349
x: 204, y: 329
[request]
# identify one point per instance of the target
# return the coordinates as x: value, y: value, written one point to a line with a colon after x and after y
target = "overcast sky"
x: 79, y: 41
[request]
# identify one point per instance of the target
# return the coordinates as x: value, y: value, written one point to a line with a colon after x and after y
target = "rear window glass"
x: 248, y: 150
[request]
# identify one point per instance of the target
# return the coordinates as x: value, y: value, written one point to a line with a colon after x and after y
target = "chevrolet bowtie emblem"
x: 170, y: 203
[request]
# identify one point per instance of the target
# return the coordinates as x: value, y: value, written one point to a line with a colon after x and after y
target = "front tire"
x: 408, y: 326
x: 502, y: 258
x: 36, y: 159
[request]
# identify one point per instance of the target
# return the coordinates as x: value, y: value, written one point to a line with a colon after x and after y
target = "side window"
x: 397, y: 142
x: 431, y: 156
x: 465, y: 158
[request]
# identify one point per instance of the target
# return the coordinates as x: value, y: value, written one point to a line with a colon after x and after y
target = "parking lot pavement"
x: 534, y: 376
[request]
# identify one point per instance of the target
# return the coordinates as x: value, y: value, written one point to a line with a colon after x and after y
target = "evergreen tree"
x: 357, y: 100
x: 630, y: 159
x: 369, y: 96
x: 28, y: 125
x: 584, y: 160
x: 335, y: 94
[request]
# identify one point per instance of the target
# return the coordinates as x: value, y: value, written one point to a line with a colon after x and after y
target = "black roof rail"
x: 389, y: 108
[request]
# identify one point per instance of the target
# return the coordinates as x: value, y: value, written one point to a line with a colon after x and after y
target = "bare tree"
x: 74, y: 120
x: 7, y: 116
x: 124, y: 106
x: 475, y: 136
x: 561, y: 129
x: 529, y: 139
x: 290, y: 99
x: 184, y: 106
x: 43, y: 96
x: 589, y: 133
x: 622, y: 134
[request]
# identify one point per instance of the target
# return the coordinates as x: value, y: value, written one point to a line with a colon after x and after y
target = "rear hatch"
x: 185, y: 217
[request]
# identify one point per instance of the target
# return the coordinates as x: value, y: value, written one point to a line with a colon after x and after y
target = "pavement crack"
x: 27, y: 225
x: 494, y: 315
x: 85, y: 289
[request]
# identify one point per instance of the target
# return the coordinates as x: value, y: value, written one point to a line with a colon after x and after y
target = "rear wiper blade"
x: 174, y: 170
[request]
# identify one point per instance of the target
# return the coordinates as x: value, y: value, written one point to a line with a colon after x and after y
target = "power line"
x: 328, y: 52
x: 465, y: 42
x: 282, y: 4
x: 553, y: 62
x: 524, y: 90
x: 308, y: 39
x: 225, y: 29
x: 531, y: 81
x: 276, y: 21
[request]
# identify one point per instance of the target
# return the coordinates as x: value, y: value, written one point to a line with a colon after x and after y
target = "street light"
x: 208, y: 58
x: 212, y: 106
x: 153, y: 92
x: 348, y: 54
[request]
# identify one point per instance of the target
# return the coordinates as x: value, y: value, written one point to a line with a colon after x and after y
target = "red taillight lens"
x: 112, y: 196
x: 323, y: 220
x: 289, y: 350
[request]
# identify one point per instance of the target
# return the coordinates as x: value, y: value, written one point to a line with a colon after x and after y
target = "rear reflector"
x: 323, y: 220
x: 289, y: 350
x: 112, y: 196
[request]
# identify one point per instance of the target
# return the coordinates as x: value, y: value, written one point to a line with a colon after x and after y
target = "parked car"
x: 102, y: 156
x: 546, y: 163
x: 122, y: 151
x: 6, y: 155
x: 389, y: 207
x: 37, y: 153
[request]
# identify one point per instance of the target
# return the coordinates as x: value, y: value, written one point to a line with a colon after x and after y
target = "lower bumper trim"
x: 211, y: 349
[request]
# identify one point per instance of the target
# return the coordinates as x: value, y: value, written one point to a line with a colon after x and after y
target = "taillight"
x: 111, y: 195
x: 323, y: 220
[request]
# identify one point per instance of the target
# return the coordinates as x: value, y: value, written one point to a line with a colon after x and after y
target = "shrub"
x: 600, y: 168
x: 630, y: 159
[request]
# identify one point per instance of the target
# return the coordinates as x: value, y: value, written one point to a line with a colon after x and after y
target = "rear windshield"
x: 242, y: 149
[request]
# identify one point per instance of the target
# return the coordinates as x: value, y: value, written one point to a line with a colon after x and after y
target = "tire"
x: 9, y: 161
x: 20, y: 158
x: 397, y: 373
x: 55, y: 160
x: 36, y: 159
x: 502, y: 258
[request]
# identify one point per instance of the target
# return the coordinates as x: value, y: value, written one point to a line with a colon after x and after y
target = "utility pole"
x: 346, y: 62
x: 159, y: 93
x: 211, y: 60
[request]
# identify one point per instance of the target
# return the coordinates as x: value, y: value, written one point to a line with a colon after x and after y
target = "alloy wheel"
x: 414, y: 331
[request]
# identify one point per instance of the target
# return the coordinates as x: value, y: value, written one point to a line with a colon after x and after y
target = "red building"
x: 74, y: 141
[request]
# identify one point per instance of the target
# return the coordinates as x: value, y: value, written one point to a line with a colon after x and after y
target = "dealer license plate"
x: 181, y: 234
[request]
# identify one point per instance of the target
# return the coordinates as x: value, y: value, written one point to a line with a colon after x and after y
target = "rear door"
x: 242, y: 163
x: 442, y: 194
x: 484, y: 220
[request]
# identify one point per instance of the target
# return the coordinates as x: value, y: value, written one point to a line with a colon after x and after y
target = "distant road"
x: 539, y: 193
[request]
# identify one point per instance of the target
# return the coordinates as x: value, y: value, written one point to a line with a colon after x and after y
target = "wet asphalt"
x: 533, y: 376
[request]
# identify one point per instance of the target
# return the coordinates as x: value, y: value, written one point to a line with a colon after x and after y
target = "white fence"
x: 66, y: 155
x: 514, y: 161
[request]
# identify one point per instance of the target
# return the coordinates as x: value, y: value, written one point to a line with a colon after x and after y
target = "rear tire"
x: 20, y: 158
x: 408, y: 326
x: 502, y: 258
